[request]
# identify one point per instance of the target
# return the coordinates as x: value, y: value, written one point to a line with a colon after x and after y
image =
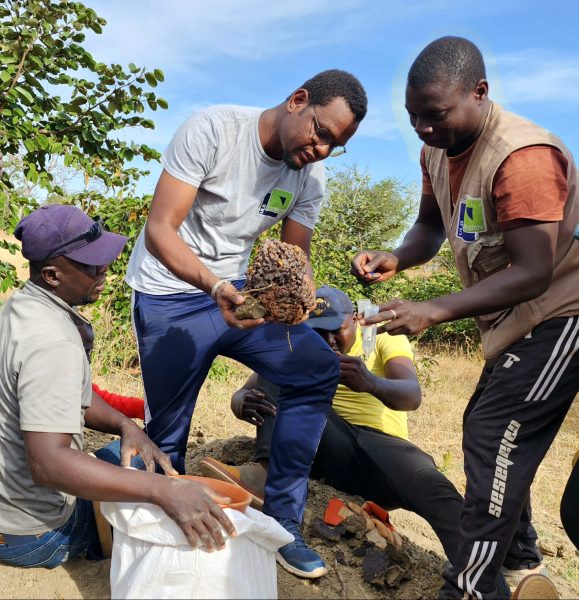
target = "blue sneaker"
x: 297, y: 557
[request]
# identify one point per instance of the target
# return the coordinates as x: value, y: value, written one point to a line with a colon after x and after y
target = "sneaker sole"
x: 210, y: 470
x: 315, y: 574
x: 536, y: 587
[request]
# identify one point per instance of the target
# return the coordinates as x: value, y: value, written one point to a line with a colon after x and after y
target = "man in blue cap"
x: 364, y: 449
x: 46, y: 482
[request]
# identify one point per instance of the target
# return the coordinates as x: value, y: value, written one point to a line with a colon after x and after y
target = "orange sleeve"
x: 531, y: 185
x: 426, y: 182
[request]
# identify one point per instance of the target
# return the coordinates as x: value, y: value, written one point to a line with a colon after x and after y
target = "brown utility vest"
x: 477, y: 240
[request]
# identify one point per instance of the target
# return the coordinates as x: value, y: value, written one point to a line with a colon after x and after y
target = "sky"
x: 256, y: 52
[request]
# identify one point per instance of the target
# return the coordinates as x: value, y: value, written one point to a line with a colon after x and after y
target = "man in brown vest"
x: 503, y: 191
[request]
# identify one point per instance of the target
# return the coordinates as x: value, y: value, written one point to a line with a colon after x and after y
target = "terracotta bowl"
x: 239, y: 498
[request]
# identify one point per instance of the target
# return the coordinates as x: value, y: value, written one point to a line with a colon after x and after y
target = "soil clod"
x: 277, y: 285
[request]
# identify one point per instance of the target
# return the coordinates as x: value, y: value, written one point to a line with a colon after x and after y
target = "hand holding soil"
x: 277, y: 285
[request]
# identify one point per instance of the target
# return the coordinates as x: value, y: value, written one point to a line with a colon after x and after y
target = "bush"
x: 357, y: 215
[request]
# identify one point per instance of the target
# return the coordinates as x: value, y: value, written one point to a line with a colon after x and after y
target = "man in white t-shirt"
x: 230, y: 173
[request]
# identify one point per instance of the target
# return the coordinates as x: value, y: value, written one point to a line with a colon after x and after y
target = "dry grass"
x: 448, y: 380
x: 437, y: 426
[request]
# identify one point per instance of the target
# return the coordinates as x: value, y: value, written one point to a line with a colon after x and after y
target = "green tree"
x: 60, y: 109
x: 358, y: 214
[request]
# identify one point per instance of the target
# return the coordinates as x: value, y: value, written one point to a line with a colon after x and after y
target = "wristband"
x: 216, y: 286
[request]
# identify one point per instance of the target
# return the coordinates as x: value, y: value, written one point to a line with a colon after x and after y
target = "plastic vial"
x: 369, y: 332
x: 363, y: 304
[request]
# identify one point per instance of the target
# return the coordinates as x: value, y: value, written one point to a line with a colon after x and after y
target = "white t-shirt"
x: 242, y: 192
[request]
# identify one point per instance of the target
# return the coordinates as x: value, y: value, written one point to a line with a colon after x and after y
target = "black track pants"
x: 510, y: 422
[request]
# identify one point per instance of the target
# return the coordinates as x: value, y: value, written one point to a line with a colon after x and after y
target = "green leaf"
x: 32, y: 175
x: 159, y: 75
x: 6, y: 284
x: 25, y: 93
x: 7, y: 59
x: 151, y: 79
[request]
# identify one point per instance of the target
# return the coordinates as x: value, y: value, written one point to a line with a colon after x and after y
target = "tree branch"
x: 20, y: 68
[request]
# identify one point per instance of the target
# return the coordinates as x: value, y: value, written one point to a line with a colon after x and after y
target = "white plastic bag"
x: 151, y: 557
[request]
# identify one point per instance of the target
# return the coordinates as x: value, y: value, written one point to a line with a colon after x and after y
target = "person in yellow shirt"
x: 364, y: 449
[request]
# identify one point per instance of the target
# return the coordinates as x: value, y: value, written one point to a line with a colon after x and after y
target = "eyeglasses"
x: 90, y: 235
x: 322, y: 137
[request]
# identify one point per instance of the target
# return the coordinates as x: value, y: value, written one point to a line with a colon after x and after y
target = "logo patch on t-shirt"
x: 471, y: 219
x: 276, y: 203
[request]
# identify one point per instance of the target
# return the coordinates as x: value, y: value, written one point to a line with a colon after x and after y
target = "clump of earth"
x: 277, y: 285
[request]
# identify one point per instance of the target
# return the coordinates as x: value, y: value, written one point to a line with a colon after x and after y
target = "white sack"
x: 151, y: 557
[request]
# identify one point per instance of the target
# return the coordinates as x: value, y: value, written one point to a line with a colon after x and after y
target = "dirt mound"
x: 409, y: 572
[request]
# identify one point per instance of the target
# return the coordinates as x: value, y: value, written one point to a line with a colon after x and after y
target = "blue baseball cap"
x: 332, y: 307
x: 63, y: 230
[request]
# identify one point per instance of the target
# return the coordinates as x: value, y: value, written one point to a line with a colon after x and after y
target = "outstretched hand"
x: 134, y: 441
x: 403, y: 317
x: 374, y: 266
x: 194, y: 508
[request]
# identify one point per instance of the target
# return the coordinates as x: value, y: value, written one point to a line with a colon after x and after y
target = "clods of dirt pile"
x: 361, y: 563
x: 276, y: 284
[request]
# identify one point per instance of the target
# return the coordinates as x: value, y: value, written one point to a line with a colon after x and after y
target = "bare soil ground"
x: 447, y: 379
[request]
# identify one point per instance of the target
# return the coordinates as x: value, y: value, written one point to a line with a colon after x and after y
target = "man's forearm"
x: 84, y: 476
x: 419, y: 245
x: 502, y: 290
x: 102, y: 417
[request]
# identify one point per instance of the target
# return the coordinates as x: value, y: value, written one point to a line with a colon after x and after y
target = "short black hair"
x: 452, y: 59
x: 334, y: 83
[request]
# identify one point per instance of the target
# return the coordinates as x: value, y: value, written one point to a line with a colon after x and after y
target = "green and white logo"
x: 474, y: 216
x: 276, y: 203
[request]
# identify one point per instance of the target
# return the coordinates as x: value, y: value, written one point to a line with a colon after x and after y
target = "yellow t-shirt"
x: 361, y: 408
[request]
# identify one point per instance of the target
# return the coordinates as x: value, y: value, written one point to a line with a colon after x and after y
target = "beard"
x: 82, y: 301
x: 290, y: 162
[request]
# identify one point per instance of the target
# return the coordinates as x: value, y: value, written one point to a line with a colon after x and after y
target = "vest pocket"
x: 487, y: 255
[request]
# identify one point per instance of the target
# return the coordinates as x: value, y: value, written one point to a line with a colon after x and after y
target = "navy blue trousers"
x: 180, y: 335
